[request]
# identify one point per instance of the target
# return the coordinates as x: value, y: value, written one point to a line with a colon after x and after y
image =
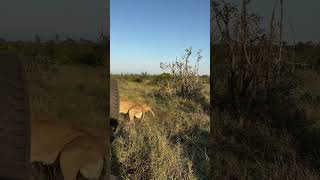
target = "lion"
x: 134, y: 110
x: 147, y: 108
x: 76, y: 149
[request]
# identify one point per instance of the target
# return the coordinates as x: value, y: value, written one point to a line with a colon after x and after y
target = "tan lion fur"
x: 74, y: 148
x: 134, y: 110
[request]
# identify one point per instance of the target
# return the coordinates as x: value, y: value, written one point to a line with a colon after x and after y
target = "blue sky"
x: 144, y: 33
x: 21, y: 20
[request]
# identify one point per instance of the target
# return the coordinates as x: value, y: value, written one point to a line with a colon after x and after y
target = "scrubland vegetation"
x: 266, y: 103
x: 67, y: 82
x: 174, y: 144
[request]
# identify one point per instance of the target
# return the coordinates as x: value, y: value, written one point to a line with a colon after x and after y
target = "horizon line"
x: 128, y: 73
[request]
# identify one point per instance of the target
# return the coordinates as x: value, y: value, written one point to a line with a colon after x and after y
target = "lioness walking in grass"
x: 134, y: 110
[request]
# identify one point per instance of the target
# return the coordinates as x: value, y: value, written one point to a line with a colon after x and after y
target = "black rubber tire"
x: 14, y: 121
x: 114, y: 107
x: 114, y: 99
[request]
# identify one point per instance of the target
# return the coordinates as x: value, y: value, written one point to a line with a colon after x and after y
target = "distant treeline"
x: 305, y: 53
x: 68, y: 51
x: 154, y: 78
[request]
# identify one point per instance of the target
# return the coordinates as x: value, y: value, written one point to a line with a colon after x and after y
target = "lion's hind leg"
x: 77, y: 155
x: 131, y: 115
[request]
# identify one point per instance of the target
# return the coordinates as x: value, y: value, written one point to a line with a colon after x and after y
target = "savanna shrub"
x: 158, y: 79
x: 90, y: 59
x: 185, y: 80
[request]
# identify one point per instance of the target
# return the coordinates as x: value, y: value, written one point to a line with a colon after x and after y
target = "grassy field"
x: 266, y: 101
x: 170, y: 146
x: 254, y: 149
x: 66, y: 79
x: 281, y: 142
x: 67, y: 83
x: 66, y: 93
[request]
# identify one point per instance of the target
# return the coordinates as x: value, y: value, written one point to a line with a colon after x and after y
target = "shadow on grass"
x: 195, y: 141
x: 115, y: 164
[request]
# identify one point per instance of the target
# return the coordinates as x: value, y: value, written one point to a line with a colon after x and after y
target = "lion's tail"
x: 152, y: 112
x: 142, y: 116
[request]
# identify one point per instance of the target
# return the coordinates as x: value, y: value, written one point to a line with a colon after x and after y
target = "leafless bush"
x: 253, y: 56
x: 143, y: 76
x: 185, y: 80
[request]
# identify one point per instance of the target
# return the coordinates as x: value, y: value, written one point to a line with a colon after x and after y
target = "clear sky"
x: 22, y: 19
x: 302, y: 16
x: 146, y: 32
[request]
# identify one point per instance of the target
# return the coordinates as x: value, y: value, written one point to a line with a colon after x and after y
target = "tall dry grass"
x: 171, y: 146
x: 259, y: 121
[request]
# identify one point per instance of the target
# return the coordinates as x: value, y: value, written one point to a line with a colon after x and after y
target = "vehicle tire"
x: 114, y: 106
x: 14, y: 121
